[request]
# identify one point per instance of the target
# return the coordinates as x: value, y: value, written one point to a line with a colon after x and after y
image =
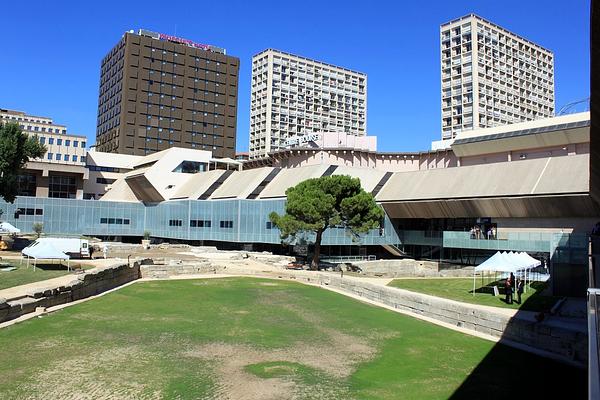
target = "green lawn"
x: 252, y: 338
x: 23, y: 275
x: 461, y: 289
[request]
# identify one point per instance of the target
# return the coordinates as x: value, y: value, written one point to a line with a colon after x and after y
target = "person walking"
x: 520, y: 285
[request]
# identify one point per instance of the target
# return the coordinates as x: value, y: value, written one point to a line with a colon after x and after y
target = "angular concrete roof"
x: 289, y: 177
x: 547, y: 132
x: 120, y: 191
x: 197, y: 184
x: 369, y: 178
x: 556, y: 175
x: 241, y: 183
x: 114, y: 160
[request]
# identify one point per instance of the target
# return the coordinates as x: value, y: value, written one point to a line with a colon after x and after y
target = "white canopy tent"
x: 44, y: 251
x: 6, y: 228
x: 507, y: 262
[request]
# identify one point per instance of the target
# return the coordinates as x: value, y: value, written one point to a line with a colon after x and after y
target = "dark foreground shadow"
x: 509, y: 373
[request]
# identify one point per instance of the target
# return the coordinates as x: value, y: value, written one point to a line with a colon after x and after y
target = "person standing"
x: 105, y: 251
x: 520, y: 285
x: 508, y: 290
x: 513, y: 286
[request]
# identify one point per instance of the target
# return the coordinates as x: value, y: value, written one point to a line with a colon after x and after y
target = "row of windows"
x: 102, y: 169
x: 199, y: 223
x: 115, y: 221
x: 27, y: 120
x: 28, y: 211
x: 66, y: 157
x: 105, y: 181
x: 59, y: 142
x: 43, y: 129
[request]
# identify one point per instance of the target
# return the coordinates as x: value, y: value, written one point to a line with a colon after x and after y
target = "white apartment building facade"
x: 491, y: 76
x: 294, y: 96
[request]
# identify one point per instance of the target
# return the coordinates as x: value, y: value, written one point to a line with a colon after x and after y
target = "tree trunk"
x: 315, y: 261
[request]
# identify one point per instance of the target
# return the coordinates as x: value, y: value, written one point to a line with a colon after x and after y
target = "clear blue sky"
x: 51, y: 50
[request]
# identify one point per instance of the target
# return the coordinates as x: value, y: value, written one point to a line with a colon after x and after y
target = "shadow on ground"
x: 502, y: 375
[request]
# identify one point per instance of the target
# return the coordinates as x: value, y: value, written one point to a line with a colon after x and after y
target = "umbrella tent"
x: 6, y: 228
x: 44, y: 251
x: 507, y: 262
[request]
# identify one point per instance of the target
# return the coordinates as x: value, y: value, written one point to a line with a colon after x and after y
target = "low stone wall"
x: 85, y: 285
x: 567, y: 344
x: 412, y: 268
x: 163, y: 271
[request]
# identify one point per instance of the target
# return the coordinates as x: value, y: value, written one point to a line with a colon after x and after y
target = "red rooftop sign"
x: 163, y: 36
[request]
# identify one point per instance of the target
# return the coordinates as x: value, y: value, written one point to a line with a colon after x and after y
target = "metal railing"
x: 593, y: 308
x: 343, y: 259
x: 593, y: 344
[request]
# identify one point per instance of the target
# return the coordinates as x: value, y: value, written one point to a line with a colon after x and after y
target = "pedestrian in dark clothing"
x: 520, y: 285
x: 508, y: 290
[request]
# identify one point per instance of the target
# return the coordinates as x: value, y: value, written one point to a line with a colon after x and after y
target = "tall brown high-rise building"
x: 159, y: 91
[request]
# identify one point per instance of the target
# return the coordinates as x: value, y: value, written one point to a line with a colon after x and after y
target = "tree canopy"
x: 315, y: 205
x: 16, y: 148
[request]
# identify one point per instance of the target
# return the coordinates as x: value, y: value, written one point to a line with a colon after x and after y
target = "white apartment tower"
x: 295, y: 96
x: 492, y: 77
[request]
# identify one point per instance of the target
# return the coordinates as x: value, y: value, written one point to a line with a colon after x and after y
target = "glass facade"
x: 244, y: 221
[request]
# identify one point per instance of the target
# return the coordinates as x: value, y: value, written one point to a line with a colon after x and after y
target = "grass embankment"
x: 461, y: 289
x: 23, y: 274
x: 252, y: 338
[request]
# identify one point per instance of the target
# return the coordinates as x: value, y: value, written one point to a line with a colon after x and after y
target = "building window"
x: 226, y: 224
x: 175, y: 222
x: 59, y: 142
x: 42, y: 140
x: 50, y: 140
x: 83, y: 144
x: 190, y: 167
x: 75, y: 143
x: 58, y: 156
x: 67, y: 142
x: 28, y: 211
x: 75, y: 158
x: 200, y: 223
x: 271, y: 225
x: 82, y: 159
x: 62, y: 186
x: 26, y: 185
x: 49, y: 156
x: 66, y: 157
x: 105, y: 181
x: 115, y: 221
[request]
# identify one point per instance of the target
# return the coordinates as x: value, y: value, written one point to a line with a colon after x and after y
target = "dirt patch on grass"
x: 336, y: 358
x: 89, y: 377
